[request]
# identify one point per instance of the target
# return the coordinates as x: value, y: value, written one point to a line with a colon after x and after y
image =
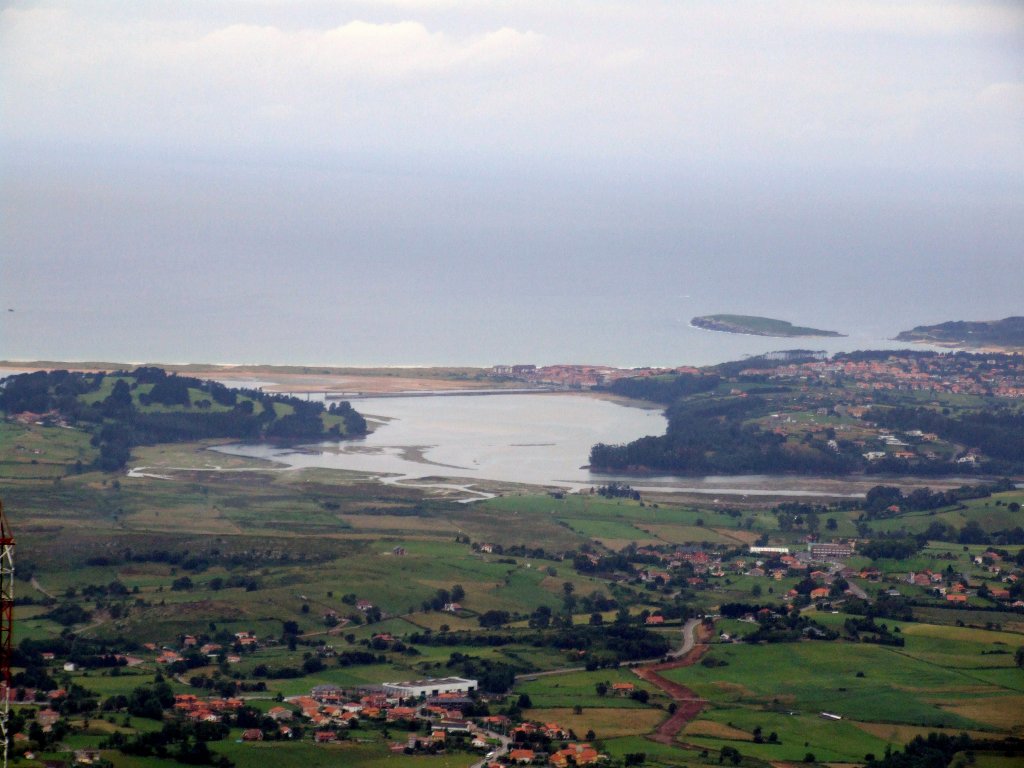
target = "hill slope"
x: 1008, y: 332
x: 756, y: 326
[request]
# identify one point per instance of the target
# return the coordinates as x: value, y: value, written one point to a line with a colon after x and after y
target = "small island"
x: 756, y: 326
x: 1007, y: 333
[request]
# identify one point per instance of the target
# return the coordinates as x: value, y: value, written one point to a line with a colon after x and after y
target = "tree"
x: 457, y: 593
x: 494, y: 618
x: 731, y: 754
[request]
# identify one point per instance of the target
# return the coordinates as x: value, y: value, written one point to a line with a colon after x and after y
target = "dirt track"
x: 688, y: 704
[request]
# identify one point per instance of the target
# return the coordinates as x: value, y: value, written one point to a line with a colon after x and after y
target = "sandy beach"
x: 303, y: 379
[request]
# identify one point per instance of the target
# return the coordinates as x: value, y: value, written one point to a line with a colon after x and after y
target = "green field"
x: 938, y: 681
x: 260, y: 547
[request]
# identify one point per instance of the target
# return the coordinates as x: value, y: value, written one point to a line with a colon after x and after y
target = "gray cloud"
x: 866, y: 81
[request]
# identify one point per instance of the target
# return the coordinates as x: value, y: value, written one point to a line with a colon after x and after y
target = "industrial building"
x: 430, y: 687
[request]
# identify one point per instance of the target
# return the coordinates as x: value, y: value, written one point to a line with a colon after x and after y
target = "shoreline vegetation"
x: 752, y: 325
x: 148, y: 406
x: 864, y: 412
x: 982, y: 335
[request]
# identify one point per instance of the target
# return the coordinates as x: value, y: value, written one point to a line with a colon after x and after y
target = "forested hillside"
x: 148, y: 406
x: 882, y: 412
x: 1008, y: 332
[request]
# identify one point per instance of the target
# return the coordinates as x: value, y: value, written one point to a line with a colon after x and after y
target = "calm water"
x: 333, y: 266
x: 533, y: 439
x: 537, y: 439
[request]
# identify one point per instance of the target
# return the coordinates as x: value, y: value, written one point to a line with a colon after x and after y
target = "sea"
x: 332, y: 263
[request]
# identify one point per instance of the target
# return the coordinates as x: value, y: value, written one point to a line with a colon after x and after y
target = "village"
x: 434, y: 715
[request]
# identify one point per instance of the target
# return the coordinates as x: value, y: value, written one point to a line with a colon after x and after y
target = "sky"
x: 439, y: 181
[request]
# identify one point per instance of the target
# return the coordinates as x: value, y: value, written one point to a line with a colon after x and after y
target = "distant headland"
x: 756, y: 326
x: 1007, y: 333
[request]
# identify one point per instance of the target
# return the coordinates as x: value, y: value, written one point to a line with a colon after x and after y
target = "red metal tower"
x: 6, y: 625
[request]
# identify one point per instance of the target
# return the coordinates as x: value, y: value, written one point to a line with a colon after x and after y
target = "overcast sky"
x: 878, y: 83
x: 453, y: 125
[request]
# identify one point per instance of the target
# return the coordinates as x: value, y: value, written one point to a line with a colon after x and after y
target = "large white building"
x: 413, y: 689
x: 769, y: 550
x: 829, y: 551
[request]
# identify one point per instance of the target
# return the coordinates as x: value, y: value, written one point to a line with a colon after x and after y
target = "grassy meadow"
x: 260, y: 547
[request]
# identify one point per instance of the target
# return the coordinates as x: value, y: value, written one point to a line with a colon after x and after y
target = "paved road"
x: 689, y: 638
x: 856, y: 590
x: 506, y: 742
x: 39, y: 587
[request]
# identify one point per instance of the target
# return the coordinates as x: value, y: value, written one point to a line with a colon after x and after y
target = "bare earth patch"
x: 688, y: 704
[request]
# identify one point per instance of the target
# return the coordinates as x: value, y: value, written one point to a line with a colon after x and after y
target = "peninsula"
x: 756, y: 326
x: 1007, y: 333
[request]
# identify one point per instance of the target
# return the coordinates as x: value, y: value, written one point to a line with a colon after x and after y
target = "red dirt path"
x: 688, y: 704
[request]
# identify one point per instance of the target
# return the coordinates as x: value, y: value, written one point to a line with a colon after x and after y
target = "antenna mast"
x: 6, y: 626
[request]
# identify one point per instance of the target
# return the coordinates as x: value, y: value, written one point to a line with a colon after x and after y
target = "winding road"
x: 688, y: 704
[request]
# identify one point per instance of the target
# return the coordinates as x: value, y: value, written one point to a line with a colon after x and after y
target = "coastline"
x: 302, y: 380
x: 959, y: 346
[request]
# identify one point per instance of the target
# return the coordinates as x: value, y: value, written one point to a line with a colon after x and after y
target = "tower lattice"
x: 6, y: 626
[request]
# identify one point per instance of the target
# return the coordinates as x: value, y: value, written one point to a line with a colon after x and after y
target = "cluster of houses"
x: 204, y: 710
x: 769, y: 562
x: 1002, y: 376
x: 244, y: 641
x: 580, y: 376
x: 435, y: 708
x: 574, y: 753
x: 959, y: 590
x: 438, y: 701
